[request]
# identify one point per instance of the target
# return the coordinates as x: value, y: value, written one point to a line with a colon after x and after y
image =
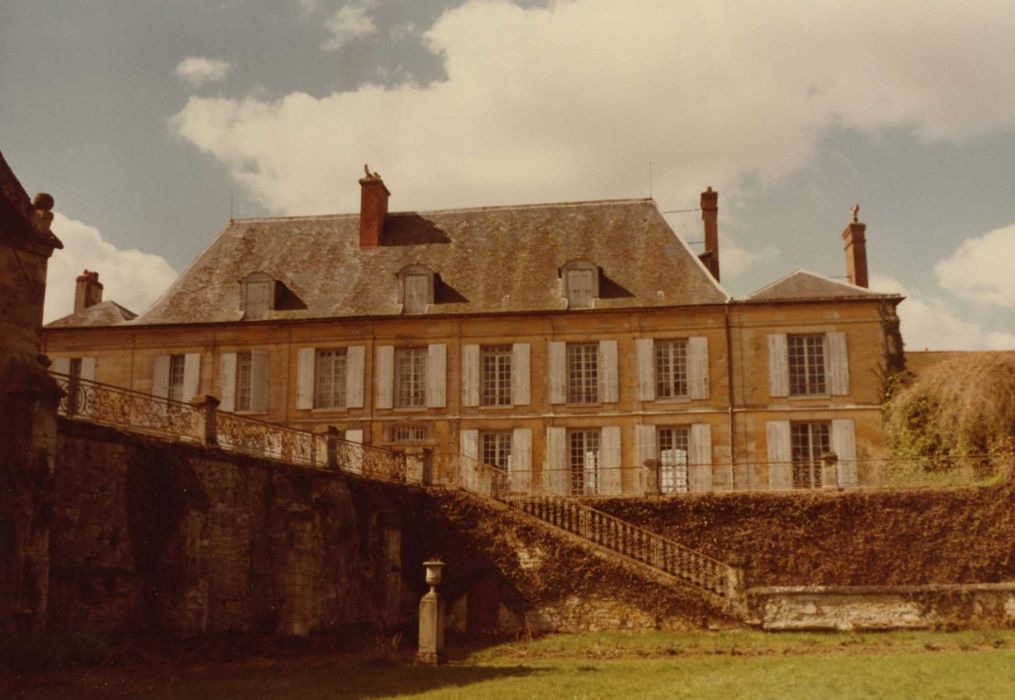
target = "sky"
x: 152, y: 121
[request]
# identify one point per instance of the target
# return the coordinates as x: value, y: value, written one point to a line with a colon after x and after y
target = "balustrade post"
x: 332, y: 438
x: 651, y: 470
x: 428, y: 475
x: 208, y: 405
x: 736, y: 585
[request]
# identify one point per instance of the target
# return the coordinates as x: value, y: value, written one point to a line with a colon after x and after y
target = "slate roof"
x: 803, y: 284
x: 492, y: 259
x: 106, y: 313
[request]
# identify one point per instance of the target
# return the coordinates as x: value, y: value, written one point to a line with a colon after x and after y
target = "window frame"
x: 338, y: 379
x: 808, y: 469
x: 244, y: 392
x: 667, y: 388
x: 581, y: 365
x: 177, y: 374
x: 674, y: 477
x: 247, y: 286
x: 412, y: 271
x: 584, y: 481
x: 498, y: 444
x: 415, y: 434
x: 807, y: 364
x: 495, y: 375
x: 417, y: 377
x: 579, y: 266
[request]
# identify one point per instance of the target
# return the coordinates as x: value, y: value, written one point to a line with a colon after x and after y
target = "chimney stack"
x: 710, y: 215
x: 373, y: 209
x: 855, y: 245
x: 88, y: 291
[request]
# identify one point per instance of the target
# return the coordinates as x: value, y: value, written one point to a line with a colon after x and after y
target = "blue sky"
x: 150, y: 120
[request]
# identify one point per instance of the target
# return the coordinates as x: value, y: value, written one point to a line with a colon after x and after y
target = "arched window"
x: 415, y: 289
x: 580, y: 279
x: 257, y: 295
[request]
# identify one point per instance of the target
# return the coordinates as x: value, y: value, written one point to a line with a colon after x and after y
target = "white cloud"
x: 930, y: 322
x: 347, y: 23
x: 735, y: 261
x: 131, y: 278
x: 571, y: 101
x: 196, y: 71
x: 982, y: 269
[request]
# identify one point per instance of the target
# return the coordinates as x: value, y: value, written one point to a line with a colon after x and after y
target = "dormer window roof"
x: 580, y: 282
x: 415, y: 289
x: 257, y: 295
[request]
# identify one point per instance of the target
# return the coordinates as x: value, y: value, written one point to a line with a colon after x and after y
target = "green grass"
x: 722, y: 665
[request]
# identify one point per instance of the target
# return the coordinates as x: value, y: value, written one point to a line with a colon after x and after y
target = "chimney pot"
x: 710, y: 215
x: 855, y: 244
x: 88, y: 290
x: 373, y: 209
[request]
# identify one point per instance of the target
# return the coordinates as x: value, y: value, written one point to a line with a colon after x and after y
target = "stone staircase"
x: 200, y: 422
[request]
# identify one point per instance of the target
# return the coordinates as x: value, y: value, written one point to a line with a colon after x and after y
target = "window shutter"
x: 160, y: 377
x: 844, y: 446
x: 838, y: 364
x: 61, y: 365
x: 697, y: 367
x: 780, y: 456
x: 88, y: 369
x: 227, y: 381
x: 557, y: 369
x: 644, y: 349
x: 191, y: 375
x: 354, y: 457
x: 699, y: 446
x: 645, y: 437
x: 556, y: 477
x: 305, y: 378
x: 778, y: 365
x: 608, y: 380
x: 355, y: 436
x: 385, y: 376
x: 354, y: 367
x: 610, y: 474
x: 520, y: 471
x: 521, y: 388
x: 259, y: 375
x: 436, y: 375
x: 470, y: 375
x: 469, y: 440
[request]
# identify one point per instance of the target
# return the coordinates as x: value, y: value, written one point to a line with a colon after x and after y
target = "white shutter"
x: 610, y: 474
x: 557, y: 369
x: 61, y: 365
x: 436, y: 375
x: 259, y: 381
x: 521, y: 388
x: 191, y: 375
x: 160, y: 377
x: 354, y: 456
x: 645, y: 439
x: 88, y: 369
x: 355, y: 436
x: 644, y: 349
x: 838, y: 364
x: 780, y: 456
x: 556, y: 476
x: 354, y: 366
x: 227, y: 381
x: 470, y: 375
x: 384, y: 376
x: 305, y: 378
x: 608, y: 379
x: 778, y: 365
x: 469, y: 441
x: 699, y: 475
x: 844, y: 446
x: 697, y: 367
x: 520, y: 471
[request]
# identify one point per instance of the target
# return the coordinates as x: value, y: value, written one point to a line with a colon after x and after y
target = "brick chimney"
x: 88, y: 291
x: 855, y: 245
x: 372, y: 210
x: 710, y: 215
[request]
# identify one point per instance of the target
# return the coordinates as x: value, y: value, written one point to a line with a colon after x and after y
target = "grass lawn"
x: 726, y: 665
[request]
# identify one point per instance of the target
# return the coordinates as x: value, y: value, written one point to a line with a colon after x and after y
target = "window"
x: 581, y: 284
x: 495, y: 370
x: 673, y: 449
x: 415, y: 289
x: 177, y: 363
x: 809, y: 442
x: 806, y: 364
x: 329, y: 378
x: 583, y: 461
x: 671, y: 368
x: 244, y: 380
x: 495, y: 448
x: 410, y: 377
x: 582, y: 372
x: 258, y: 295
x: 409, y: 433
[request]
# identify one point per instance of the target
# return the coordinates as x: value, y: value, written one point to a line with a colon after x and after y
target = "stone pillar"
x: 651, y: 477
x: 431, y: 619
x: 209, y: 431
x: 429, y: 478
x: 333, y: 448
x: 830, y: 470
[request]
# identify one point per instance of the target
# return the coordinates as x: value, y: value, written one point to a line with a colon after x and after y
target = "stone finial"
x: 856, y: 213
x: 43, y: 205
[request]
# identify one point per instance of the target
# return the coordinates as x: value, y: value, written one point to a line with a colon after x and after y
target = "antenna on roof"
x: 650, y: 179
x: 232, y: 193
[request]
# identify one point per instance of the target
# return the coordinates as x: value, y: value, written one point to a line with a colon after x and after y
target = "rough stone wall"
x: 179, y: 540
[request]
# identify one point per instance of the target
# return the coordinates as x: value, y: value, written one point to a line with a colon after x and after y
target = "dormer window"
x: 581, y: 284
x: 257, y: 295
x: 415, y: 289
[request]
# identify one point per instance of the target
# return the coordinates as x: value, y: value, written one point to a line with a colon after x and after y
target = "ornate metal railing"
x: 271, y: 440
x: 122, y: 408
